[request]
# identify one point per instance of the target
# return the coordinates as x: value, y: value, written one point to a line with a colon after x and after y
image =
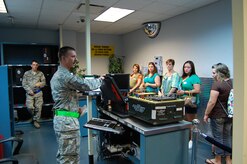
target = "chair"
x: 16, y: 150
x: 17, y: 158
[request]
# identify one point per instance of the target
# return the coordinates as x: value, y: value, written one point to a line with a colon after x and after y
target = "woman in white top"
x: 170, y: 81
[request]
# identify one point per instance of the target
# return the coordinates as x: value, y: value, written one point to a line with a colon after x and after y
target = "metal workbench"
x: 159, y: 144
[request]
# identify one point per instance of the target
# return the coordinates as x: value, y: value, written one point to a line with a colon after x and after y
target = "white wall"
x: 203, y: 35
x: 99, y: 64
x: 69, y: 38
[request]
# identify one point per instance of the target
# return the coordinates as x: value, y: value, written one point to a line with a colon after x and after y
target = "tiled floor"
x: 41, y: 144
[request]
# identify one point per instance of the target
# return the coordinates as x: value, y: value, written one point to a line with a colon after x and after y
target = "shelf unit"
x: 15, y: 53
x: 18, y: 57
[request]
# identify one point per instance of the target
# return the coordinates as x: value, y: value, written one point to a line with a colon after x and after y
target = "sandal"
x: 209, y: 161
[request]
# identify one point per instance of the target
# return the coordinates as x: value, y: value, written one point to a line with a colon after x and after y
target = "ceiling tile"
x: 74, y: 1
x: 20, y: 16
x: 53, y: 15
x: 141, y: 15
x: 50, y: 13
x: 176, y: 11
x: 59, y: 5
x: 121, y: 27
x: 175, y: 2
x: 132, y: 4
x: 158, y: 7
x: 160, y: 17
x: 198, y: 3
x: 22, y: 4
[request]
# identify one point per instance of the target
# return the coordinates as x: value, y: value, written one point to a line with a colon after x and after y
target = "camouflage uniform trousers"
x: 34, y: 104
x: 68, y: 147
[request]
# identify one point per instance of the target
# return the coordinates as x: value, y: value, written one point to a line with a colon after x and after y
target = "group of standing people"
x: 190, y: 84
x: 172, y: 83
x: 64, y: 87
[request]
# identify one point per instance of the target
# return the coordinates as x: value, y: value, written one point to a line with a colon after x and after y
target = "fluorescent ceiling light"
x: 113, y: 14
x: 2, y: 7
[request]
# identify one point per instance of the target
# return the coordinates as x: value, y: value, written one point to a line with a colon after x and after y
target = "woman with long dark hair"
x: 190, y: 85
x: 135, y: 78
x: 151, y: 81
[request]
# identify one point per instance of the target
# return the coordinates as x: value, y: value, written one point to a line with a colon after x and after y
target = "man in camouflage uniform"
x: 64, y: 87
x: 33, y: 81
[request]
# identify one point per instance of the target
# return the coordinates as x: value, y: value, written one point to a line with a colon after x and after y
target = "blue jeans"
x: 222, y: 132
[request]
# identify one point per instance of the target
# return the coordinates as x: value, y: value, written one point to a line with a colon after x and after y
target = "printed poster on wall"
x: 158, y: 60
x: 102, y: 51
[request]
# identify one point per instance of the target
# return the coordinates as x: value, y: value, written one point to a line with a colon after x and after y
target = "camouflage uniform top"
x: 30, y: 78
x: 64, y: 86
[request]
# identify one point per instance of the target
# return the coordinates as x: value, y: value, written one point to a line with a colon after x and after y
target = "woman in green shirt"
x: 190, y: 84
x: 151, y: 82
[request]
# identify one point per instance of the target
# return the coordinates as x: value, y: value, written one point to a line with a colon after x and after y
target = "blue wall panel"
x: 5, y: 115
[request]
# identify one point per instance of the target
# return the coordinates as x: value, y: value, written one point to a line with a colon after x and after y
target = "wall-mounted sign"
x: 102, y: 51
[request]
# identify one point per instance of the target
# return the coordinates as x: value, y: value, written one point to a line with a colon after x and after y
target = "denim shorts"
x: 222, y: 133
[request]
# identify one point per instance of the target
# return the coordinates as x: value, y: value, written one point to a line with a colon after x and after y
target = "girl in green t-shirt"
x: 151, y: 82
x: 190, y: 84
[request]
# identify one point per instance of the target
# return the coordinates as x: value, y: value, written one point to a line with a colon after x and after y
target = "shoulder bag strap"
x: 222, y: 106
x: 228, y: 84
x: 220, y: 101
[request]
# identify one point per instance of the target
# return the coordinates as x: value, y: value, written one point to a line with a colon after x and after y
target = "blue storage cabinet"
x: 6, y: 116
x: 83, y: 119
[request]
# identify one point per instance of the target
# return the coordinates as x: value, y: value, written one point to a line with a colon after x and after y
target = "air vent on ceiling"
x: 92, y: 5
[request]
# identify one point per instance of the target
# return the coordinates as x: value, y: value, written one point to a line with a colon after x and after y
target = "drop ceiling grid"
x: 54, y: 12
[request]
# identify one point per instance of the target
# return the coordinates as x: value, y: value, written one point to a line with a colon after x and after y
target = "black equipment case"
x: 156, y: 112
